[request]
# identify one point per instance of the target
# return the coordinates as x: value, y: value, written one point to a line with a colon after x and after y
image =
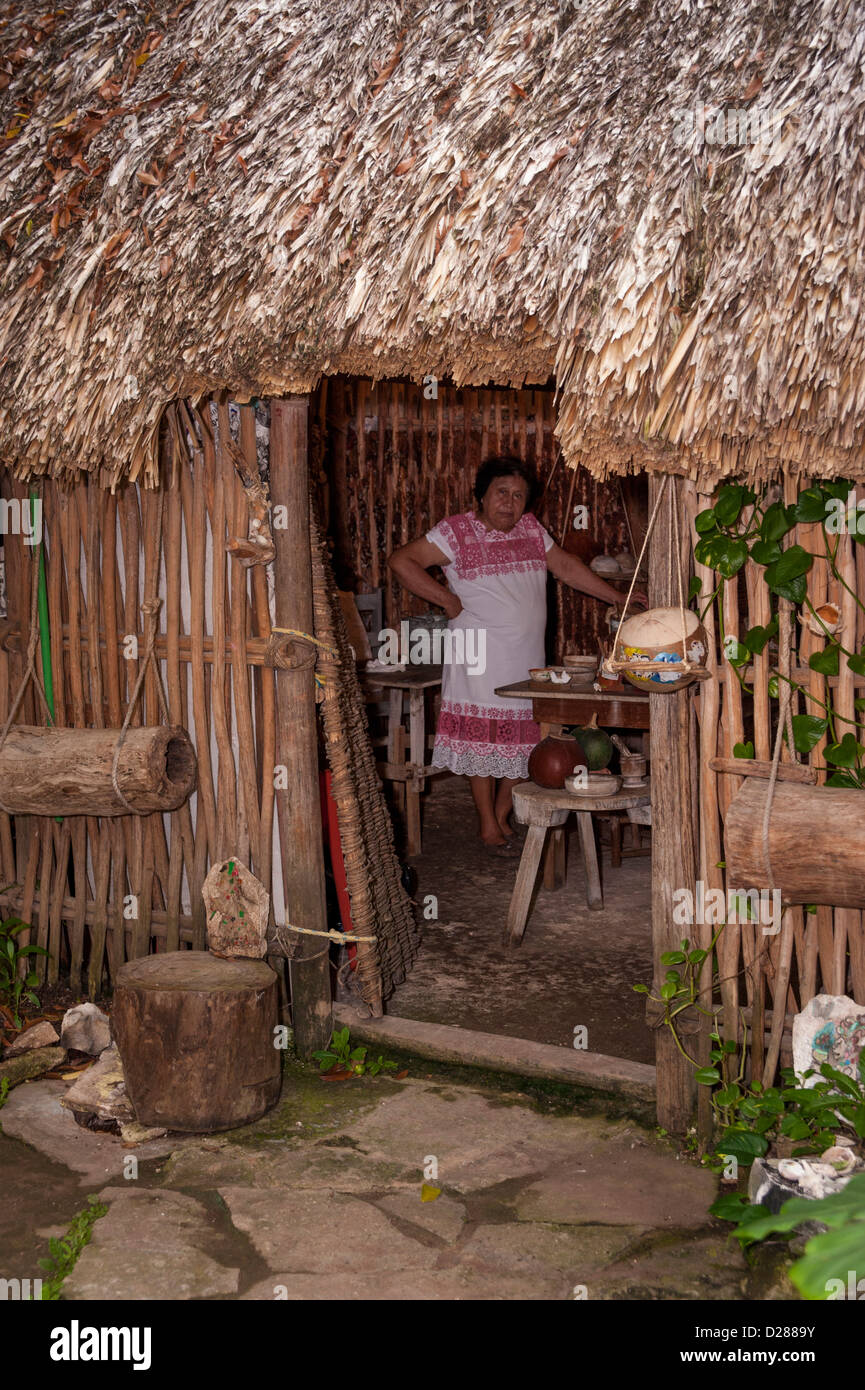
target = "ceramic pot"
x: 657, y: 636
x: 554, y: 759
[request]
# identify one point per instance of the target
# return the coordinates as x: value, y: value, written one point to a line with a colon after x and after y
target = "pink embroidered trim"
x: 497, y: 730
x: 478, y: 552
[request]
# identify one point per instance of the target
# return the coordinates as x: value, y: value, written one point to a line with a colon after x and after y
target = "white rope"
x: 617, y: 662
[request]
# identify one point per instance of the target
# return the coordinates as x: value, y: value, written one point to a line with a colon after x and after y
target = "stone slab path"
x: 327, y: 1191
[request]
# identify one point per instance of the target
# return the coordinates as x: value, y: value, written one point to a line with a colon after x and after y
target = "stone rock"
x: 101, y: 1090
x: 318, y: 1232
x: 85, y: 1028
x: 40, y: 1035
x: 35, y: 1115
x: 238, y: 907
x: 443, y: 1218
x: 133, y: 1134
x: 774, y: 1181
x: 831, y: 1028
x: 151, y: 1244
x: 32, y: 1063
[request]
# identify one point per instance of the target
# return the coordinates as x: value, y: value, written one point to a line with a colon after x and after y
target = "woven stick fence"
x: 828, y: 946
x: 99, y: 891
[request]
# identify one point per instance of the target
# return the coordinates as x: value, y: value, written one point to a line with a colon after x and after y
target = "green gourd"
x: 596, y: 744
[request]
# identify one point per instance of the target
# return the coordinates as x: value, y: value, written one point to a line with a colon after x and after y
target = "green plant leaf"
x: 775, y: 523
x: 742, y: 1144
x: 707, y: 1076
x: 793, y: 564
x: 728, y: 1096
x: 743, y: 750
x: 773, y: 687
x: 829, y: 1256
x: 810, y: 505
x: 673, y: 958
x: 826, y: 661
x: 735, y: 651
x: 705, y: 521
x: 808, y: 730
x: 756, y: 637
x: 668, y: 990
x: 844, y: 754
x: 856, y: 663
x: 839, y: 487
x: 733, y: 1206
x: 729, y: 504
x: 694, y: 587
x: 846, y: 778
x: 795, y: 590
x: 765, y: 552
x: 726, y: 554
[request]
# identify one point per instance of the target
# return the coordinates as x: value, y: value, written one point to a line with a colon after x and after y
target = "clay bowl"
x: 657, y: 636
x: 593, y: 784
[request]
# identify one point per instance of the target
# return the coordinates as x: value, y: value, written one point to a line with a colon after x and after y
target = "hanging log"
x: 196, y: 1037
x: 816, y: 842
x: 68, y: 772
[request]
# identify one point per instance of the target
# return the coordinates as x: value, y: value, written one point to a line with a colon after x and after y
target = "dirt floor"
x: 574, y: 967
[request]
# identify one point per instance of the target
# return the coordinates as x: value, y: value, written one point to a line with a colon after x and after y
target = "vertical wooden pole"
x: 674, y: 853
x: 298, y: 806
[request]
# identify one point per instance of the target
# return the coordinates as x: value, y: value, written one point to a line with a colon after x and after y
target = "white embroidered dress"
x: 500, y: 578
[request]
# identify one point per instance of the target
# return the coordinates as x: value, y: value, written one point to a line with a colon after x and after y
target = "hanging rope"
x: 617, y: 662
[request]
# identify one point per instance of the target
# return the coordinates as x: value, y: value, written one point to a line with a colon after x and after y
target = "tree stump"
x: 196, y: 1037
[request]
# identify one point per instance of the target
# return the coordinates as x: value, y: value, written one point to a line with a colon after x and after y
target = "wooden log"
x: 67, y: 772
x: 196, y: 1037
x: 816, y: 842
x: 298, y: 804
x: 755, y: 767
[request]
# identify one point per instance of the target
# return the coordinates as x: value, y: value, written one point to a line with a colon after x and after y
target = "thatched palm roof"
x: 246, y: 194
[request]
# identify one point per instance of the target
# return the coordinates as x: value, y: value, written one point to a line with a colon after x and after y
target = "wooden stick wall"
x: 102, y: 891
x: 394, y: 463
x: 828, y: 947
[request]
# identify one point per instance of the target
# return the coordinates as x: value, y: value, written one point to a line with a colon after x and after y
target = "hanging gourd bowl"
x: 654, y: 639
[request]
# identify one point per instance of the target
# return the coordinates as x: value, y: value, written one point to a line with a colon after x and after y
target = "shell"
x: 830, y: 624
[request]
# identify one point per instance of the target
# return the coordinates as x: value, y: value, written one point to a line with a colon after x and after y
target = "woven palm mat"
x: 380, y: 906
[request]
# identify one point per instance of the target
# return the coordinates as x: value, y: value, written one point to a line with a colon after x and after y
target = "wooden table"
x: 542, y: 810
x: 554, y: 707
x: 557, y: 704
x: 409, y: 775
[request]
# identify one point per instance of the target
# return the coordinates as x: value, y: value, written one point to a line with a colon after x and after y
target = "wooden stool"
x: 541, y: 809
x: 196, y: 1038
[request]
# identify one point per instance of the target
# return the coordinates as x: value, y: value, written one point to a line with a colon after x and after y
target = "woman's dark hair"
x: 505, y: 467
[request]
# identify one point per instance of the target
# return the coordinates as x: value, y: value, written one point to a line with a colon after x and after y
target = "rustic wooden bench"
x: 542, y: 810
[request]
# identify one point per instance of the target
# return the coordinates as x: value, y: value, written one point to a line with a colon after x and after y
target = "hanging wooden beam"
x: 298, y: 804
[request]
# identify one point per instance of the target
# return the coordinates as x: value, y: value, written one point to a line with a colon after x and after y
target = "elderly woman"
x: 495, y: 559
